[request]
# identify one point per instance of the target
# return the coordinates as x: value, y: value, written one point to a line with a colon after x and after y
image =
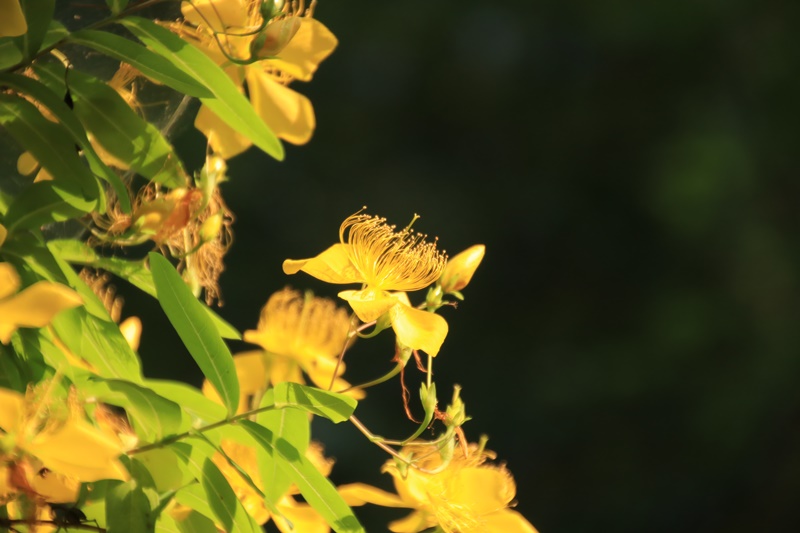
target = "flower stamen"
x: 389, y: 259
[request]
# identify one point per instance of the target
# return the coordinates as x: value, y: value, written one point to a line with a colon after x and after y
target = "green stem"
x: 389, y: 375
x: 192, y: 432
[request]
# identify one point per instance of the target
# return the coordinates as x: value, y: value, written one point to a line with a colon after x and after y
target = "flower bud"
x: 459, y: 270
x: 275, y: 37
x: 211, y: 227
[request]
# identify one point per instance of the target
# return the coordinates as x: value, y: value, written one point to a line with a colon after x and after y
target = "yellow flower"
x: 296, y: 516
x: 459, y: 269
x: 295, y: 45
x: 374, y: 254
x: 302, y: 333
x: 66, y: 444
x: 34, y: 306
x: 299, y: 334
x: 12, y: 20
x: 467, y: 496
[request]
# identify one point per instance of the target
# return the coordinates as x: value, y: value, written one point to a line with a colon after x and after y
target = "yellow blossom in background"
x: 12, y: 20
x: 382, y: 259
x: 459, y: 270
x: 65, y: 443
x: 466, y: 496
x: 297, y: 517
x: 32, y: 307
x: 294, y: 47
x: 302, y: 333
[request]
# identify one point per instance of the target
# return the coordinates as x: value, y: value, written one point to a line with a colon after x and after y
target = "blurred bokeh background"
x: 631, y: 342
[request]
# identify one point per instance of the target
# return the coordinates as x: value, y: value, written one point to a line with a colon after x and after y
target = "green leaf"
x: 145, y: 61
x: 134, y: 272
x: 228, y: 102
x: 48, y: 142
x: 38, y: 15
x: 213, y: 495
x: 190, y: 399
x: 291, y: 425
x: 153, y: 416
x: 10, y: 54
x: 10, y: 376
x: 99, y: 342
x: 43, y: 203
x: 193, y: 523
x: 318, y: 491
x: 334, y: 406
x: 166, y: 470
x: 196, y: 330
x: 128, y: 509
x: 74, y: 190
x: 116, y: 127
x: 44, y: 95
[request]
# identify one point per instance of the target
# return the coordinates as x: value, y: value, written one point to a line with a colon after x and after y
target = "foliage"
x: 87, y: 441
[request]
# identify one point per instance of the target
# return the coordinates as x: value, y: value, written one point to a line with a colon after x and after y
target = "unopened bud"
x: 211, y: 227
x: 131, y: 329
x: 459, y: 269
x: 275, y: 37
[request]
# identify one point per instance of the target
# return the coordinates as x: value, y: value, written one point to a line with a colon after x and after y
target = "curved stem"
x: 386, y: 377
x: 176, y: 438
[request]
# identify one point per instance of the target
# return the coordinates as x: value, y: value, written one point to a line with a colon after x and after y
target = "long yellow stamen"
x: 388, y: 259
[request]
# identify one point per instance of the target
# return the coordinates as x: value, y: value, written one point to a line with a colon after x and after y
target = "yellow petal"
x: 331, y: 266
x: 56, y: 488
x: 506, y: 521
x: 80, y: 450
x: 413, y: 523
x: 35, y: 306
x: 302, y: 516
x: 320, y: 372
x: 418, y: 329
x: 224, y: 140
x: 483, y: 490
x: 9, y: 280
x: 251, y: 371
x: 284, y: 369
x: 3, y: 235
x: 459, y: 270
x: 369, y: 304
x: 215, y: 14
x: 12, y: 20
x: 356, y: 494
x: 131, y: 329
x: 312, y: 43
x: 288, y: 113
x: 11, y: 410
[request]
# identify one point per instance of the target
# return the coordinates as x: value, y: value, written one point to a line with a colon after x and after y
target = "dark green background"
x: 630, y: 343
